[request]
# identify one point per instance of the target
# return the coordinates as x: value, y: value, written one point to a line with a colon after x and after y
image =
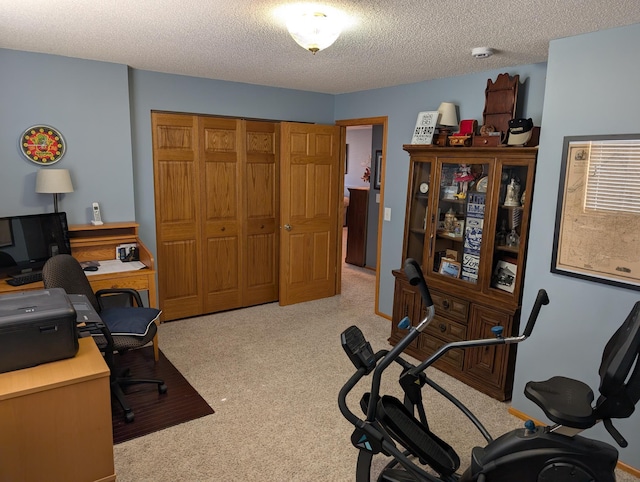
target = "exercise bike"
x: 529, y: 454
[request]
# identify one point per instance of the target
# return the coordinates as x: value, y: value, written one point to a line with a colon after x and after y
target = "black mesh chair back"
x: 64, y: 271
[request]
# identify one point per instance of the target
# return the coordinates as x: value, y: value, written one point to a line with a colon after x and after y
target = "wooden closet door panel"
x: 261, y: 193
x: 221, y: 150
x: 177, y: 193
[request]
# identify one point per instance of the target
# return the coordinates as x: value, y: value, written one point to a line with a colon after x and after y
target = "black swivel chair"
x: 127, y: 327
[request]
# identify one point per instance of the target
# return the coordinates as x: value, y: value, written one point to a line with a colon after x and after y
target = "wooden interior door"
x: 309, y: 187
x: 262, y: 213
x: 177, y: 204
x: 221, y: 261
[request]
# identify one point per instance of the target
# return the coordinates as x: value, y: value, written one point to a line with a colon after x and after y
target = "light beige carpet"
x: 272, y: 375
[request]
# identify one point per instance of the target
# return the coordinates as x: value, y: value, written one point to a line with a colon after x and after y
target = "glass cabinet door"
x: 510, y: 218
x: 458, y: 220
x: 417, y: 210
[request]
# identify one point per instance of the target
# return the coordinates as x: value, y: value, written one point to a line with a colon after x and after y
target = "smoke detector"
x: 482, y: 52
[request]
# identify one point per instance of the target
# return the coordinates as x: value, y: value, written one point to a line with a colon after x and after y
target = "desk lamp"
x: 53, y: 181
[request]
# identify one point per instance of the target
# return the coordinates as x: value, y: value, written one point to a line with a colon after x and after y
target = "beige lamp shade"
x: 448, y: 115
x: 53, y: 181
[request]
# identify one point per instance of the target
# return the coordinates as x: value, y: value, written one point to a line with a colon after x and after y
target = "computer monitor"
x: 27, y: 242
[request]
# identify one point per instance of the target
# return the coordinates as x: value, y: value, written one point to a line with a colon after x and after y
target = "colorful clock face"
x: 42, y: 144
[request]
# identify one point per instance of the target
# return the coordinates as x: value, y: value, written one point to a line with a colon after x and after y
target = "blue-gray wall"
x: 88, y: 103
x: 371, y: 256
x: 592, y: 88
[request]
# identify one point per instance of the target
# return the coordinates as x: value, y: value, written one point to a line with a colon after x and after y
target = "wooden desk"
x: 55, y: 420
x: 95, y: 243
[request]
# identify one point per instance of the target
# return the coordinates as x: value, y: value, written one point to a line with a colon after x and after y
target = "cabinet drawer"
x: 486, y: 141
x: 450, y: 306
x: 429, y: 344
x: 446, y: 329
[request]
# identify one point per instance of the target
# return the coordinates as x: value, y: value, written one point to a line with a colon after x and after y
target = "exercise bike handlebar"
x: 541, y: 299
x: 414, y: 274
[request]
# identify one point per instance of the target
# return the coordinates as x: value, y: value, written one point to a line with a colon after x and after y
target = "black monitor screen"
x: 27, y: 242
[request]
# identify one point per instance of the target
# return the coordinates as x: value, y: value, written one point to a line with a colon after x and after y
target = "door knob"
x: 287, y: 227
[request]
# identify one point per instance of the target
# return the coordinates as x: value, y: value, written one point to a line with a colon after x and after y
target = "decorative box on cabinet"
x: 474, y: 215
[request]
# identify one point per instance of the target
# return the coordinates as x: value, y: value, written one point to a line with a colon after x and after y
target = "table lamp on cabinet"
x: 447, y: 121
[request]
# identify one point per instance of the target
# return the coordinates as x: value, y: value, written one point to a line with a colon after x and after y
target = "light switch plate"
x: 387, y: 214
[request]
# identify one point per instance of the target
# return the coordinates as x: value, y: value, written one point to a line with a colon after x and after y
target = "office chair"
x: 127, y: 327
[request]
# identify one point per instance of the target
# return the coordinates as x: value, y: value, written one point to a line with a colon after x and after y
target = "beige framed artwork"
x: 597, y: 230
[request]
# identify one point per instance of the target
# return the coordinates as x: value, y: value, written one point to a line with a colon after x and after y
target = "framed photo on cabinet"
x: 425, y: 127
x: 504, y: 276
x: 449, y: 267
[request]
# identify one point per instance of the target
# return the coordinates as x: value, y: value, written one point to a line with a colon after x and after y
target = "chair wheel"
x: 162, y: 388
x: 128, y: 416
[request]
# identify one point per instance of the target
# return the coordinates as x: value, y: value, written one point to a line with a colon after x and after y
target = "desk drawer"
x: 136, y: 282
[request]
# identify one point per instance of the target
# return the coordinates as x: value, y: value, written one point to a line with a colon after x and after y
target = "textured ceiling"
x: 388, y: 42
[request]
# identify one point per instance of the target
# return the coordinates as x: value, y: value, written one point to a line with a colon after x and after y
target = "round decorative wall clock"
x: 42, y: 144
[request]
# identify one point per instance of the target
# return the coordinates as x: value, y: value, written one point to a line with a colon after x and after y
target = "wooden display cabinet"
x: 467, y: 224
x: 357, y: 226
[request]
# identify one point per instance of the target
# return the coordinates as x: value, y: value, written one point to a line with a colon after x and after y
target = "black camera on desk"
x: 126, y: 254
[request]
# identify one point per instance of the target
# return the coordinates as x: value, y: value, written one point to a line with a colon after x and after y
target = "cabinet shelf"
x: 450, y: 236
x: 508, y: 249
x: 469, y: 302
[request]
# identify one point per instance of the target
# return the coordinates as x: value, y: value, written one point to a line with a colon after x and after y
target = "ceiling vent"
x: 482, y: 52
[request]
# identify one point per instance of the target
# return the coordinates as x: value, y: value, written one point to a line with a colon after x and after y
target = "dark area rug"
x: 152, y: 410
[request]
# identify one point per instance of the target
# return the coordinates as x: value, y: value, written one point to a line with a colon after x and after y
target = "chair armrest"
x: 133, y: 294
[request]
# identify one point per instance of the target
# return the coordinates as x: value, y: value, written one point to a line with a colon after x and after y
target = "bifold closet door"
x: 217, y: 209
x: 262, y: 209
x: 177, y: 204
x: 221, y: 202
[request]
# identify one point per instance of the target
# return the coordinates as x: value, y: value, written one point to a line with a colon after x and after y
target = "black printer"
x: 36, y: 327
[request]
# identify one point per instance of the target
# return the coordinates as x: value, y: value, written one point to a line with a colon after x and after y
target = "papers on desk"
x: 116, y: 266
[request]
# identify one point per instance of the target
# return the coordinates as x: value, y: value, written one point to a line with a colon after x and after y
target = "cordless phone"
x: 97, y: 219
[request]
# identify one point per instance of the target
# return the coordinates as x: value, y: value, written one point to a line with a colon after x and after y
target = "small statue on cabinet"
x: 463, y: 176
x: 513, y: 240
x: 513, y: 193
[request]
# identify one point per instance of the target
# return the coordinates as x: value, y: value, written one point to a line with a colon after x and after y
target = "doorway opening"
x: 365, y: 148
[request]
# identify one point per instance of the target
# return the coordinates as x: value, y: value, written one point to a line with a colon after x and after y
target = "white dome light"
x: 314, y: 31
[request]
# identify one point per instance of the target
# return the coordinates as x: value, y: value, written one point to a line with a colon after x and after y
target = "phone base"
x: 96, y: 223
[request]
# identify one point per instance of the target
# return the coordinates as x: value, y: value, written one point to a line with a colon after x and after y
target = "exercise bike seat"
x: 415, y: 437
x: 568, y: 402
x: 564, y: 400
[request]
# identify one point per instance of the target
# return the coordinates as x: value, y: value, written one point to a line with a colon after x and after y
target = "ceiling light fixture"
x: 314, y: 31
